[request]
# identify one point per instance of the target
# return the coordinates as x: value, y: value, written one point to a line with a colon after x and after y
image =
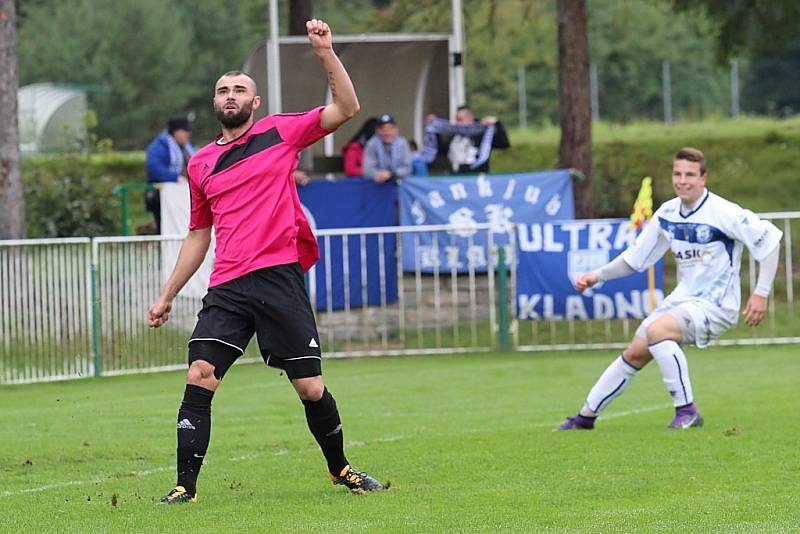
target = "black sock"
x: 194, y: 432
x: 323, y: 421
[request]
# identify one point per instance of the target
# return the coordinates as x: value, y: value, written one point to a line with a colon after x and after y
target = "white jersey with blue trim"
x: 707, y: 246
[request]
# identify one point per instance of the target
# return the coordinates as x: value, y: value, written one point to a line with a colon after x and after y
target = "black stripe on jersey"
x: 257, y: 143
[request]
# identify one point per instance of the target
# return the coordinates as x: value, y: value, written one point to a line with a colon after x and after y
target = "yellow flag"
x: 643, y: 207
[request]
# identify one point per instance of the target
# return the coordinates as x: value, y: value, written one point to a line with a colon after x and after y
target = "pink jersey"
x: 246, y: 191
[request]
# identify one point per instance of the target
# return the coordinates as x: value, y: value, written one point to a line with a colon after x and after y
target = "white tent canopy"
x: 408, y: 75
x: 51, y: 118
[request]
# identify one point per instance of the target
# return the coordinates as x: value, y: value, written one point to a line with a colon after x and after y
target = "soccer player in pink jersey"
x: 242, y: 185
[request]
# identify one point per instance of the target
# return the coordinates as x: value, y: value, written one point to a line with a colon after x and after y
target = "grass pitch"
x: 466, y: 441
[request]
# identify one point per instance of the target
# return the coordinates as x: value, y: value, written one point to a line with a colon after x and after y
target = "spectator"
x: 467, y: 143
x: 301, y: 175
x: 167, y: 156
x: 353, y: 151
x: 418, y: 165
x: 386, y: 155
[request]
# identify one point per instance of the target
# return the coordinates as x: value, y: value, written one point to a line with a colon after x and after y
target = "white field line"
x: 637, y: 411
x: 614, y: 415
x: 146, y: 472
x: 282, y: 452
x: 80, y: 482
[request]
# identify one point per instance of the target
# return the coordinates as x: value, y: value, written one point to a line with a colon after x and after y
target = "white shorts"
x: 700, y: 322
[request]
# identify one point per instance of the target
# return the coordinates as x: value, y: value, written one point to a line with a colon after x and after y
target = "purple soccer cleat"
x: 579, y: 422
x: 686, y: 417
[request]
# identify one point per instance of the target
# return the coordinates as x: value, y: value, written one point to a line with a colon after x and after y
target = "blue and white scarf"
x: 438, y: 126
x: 176, y: 160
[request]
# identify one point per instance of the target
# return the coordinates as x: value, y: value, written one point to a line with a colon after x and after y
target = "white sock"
x: 675, y: 370
x: 611, y: 384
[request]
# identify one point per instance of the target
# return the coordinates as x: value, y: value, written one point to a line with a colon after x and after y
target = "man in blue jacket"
x: 167, y: 156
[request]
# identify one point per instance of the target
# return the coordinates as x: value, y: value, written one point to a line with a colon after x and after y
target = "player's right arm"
x: 193, y: 252
x: 647, y: 249
x: 585, y: 281
x: 616, y: 268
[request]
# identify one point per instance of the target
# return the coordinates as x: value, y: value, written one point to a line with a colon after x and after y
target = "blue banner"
x: 552, y: 255
x: 499, y: 199
x: 352, y: 203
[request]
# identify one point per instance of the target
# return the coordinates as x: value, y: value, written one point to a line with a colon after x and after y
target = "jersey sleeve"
x: 199, y: 209
x: 301, y: 129
x: 648, y: 247
x: 759, y: 236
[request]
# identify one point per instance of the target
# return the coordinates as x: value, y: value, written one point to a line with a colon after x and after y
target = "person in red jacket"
x: 353, y: 151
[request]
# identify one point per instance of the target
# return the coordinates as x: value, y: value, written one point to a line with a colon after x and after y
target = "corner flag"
x: 642, y: 212
x: 643, y: 207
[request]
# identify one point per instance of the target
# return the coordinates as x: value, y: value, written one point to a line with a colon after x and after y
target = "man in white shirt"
x: 706, y: 235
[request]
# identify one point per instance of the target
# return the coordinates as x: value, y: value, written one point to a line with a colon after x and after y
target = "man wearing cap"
x: 387, y: 155
x: 167, y: 156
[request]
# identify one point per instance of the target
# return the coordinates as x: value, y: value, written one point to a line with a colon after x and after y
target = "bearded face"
x: 231, y: 115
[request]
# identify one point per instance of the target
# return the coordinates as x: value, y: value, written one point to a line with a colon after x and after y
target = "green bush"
x: 754, y: 169
x: 751, y: 162
x: 71, y: 194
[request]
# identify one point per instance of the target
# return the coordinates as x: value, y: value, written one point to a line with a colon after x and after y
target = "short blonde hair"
x: 692, y: 154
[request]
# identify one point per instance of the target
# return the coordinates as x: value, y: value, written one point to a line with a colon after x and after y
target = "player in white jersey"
x: 706, y: 234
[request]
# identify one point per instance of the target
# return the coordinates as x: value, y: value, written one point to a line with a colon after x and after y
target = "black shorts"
x: 273, y: 304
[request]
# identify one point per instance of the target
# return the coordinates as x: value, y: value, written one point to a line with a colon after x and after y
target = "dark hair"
x: 413, y: 145
x: 692, y: 154
x: 366, y: 131
x: 237, y: 73
x: 178, y: 123
x: 464, y: 107
x: 240, y: 73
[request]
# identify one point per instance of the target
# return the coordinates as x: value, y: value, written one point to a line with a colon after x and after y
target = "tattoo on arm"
x: 332, y: 85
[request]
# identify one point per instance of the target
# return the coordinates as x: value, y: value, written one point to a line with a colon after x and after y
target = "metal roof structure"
x: 51, y: 118
x: 408, y: 75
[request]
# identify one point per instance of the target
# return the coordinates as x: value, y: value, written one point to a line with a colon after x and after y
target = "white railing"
x: 77, y: 307
x: 45, y: 310
x: 780, y: 326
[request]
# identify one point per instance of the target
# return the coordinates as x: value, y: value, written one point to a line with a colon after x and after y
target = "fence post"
x: 734, y: 88
x: 594, y: 96
x: 522, y: 98
x: 124, y: 204
x: 666, y: 88
x: 98, y: 361
x: 122, y: 191
x: 502, y: 299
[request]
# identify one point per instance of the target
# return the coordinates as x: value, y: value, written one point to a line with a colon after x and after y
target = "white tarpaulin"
x: 175, y: 222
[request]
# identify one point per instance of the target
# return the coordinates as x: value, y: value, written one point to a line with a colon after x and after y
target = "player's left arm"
x: 345, y: 102
x: 756, y: 308
x: 762, y: 239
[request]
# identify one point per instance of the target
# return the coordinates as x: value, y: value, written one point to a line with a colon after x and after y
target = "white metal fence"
x: 77, y: 307
x: 45, y: 309
x: 780, y: 326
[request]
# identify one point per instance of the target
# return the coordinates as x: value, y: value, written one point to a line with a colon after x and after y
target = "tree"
x: 768, y: 33
x: 770, y: 84
x: 299, y: 12
x: 746, y: 26
x: 143, y: 60
x: 628, y: 43
x: 575, y: 150
x: 12, y: 208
